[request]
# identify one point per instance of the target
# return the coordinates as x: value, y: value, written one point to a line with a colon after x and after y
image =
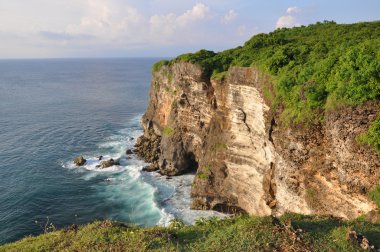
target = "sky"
x: 156, y: 28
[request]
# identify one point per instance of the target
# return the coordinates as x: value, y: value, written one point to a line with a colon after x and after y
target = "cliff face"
x: 244, y: 159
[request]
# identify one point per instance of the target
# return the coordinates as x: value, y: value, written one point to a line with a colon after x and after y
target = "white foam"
x: 176, y: 199
x: 151, y: 193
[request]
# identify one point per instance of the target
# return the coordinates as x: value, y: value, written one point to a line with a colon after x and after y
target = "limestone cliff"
x: 245, y: 160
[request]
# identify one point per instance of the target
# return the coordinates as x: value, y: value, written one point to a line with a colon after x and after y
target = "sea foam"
x: 139, y: 197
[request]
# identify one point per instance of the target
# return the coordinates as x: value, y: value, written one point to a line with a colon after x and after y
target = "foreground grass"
x: 242, y: 233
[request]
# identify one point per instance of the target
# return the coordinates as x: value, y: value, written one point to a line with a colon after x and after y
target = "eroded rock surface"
x: 245, y: 159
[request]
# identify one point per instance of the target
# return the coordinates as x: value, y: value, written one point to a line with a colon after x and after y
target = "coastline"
x: 174, y: 195
x: 168, y: 195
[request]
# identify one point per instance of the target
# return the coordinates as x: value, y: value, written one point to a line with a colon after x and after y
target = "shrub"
x: 372, y: 137
x: 375, y: 195
x: 220, y: 147
x: 176, y: 224
x: 219, y: 76
x: 167, y: 131
x: 157, y: 66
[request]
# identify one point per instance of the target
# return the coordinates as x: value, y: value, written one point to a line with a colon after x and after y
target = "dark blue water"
x: 54, y: 110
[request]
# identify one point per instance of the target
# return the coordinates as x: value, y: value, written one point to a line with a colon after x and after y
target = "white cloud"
x: 293, y: 10
x: 164, y: 24
x: 289, y: 20
x: 95, y: 27
x: 229, y: 17
x: 107, y: 21
x: 163, y: 27
x: 198, y: 12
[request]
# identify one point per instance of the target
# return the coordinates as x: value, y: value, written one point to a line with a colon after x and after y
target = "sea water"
x: 56, y: 109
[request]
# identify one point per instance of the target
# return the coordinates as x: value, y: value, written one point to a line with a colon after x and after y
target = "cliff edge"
x: 232, y: 133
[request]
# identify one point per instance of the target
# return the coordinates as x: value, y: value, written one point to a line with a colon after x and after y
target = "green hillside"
x: 315, y: 68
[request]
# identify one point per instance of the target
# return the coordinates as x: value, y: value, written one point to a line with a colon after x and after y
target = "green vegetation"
x: 219, y: 76
x: 310, y: 64
x: 241, y: 233
x: 170, y: 90
x: 375, y: 195
x: 156, y: 86
x: 167, y: 131
x: 158, y: 65
x: 176, y: 224
x: 315, y: 68
x: 372, y: 137
x: 170, y: 78
x: 167, y: 89
x: 220, y: 146
x: 311, y: 195
x: 202, y: 176
x: 205, y: 173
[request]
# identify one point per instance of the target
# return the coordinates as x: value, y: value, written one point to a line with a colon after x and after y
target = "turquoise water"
x: 54, y: 110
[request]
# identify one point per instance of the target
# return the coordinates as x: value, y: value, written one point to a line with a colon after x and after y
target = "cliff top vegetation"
x: 315, y: 68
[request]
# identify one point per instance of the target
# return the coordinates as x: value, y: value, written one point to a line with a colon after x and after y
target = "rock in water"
x: 79, y: 161
x: 129, y: 152
x: 151, y: 168
x: 108, y: 163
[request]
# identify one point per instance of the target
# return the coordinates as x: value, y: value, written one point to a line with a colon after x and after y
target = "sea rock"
x: 100, y: 158
x: 108, y: 163
x: 151, y: 168
x: 148, y: 147
x: 129, y: 152
x: 79, y: 161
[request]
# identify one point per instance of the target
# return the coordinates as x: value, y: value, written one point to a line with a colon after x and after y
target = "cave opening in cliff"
x: 192, y: 161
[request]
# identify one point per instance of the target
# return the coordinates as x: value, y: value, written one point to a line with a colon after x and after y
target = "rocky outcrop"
x: 245, y: 159
x: 108, y: 163
x: 151, y: 168
x: 79, y: 161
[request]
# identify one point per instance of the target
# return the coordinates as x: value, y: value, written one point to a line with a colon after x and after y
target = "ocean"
x: 53, y: 110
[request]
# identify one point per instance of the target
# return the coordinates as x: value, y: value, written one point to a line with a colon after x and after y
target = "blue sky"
x: 159, y: 28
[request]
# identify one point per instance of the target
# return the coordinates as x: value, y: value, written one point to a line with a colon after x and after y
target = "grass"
x: 170, y: 78
x: 311, y: 195
x: 241, y: 233
x: 219, y: 76
x: 167, y: 131
x: 372, y: 136
x: 202, y: 176
x: 220, y: 147
x: 157, y: 66
x: 205, y: 173
x: 375, y: 195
